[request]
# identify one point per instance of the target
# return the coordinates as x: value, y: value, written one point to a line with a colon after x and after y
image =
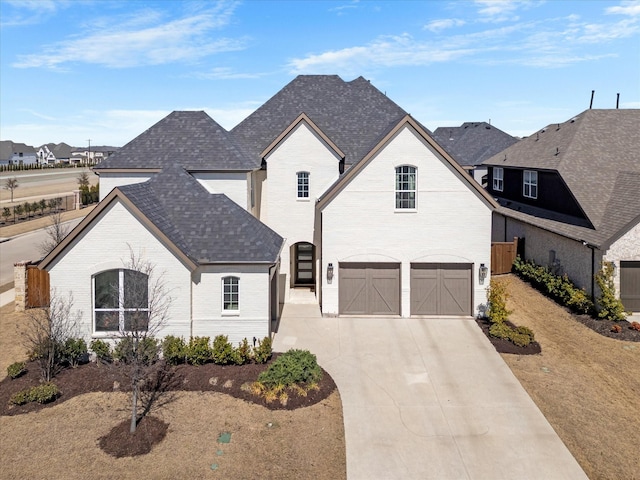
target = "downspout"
x: 593, y: 272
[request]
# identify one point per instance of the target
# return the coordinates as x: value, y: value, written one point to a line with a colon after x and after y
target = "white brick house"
x: 342, y: 194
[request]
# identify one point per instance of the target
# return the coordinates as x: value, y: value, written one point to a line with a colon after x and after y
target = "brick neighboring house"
x: 471, y: 144
x: 572, y: 190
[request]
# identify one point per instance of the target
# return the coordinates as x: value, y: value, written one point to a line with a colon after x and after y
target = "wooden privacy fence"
x: 503, y: 254
x: 37, y: 294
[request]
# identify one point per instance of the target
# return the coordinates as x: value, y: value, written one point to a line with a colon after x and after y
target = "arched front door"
x: 304, y: 262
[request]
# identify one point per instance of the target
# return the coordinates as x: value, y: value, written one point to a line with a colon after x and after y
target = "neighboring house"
x: 572, y: 191
x: 12, y: 153
x: 45, y: 154
x: 471, y: 144
x: 93, y: 156
x: 372, y: 216
x: 51, y: 153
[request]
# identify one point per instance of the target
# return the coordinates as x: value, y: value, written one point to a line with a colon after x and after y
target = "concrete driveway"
x: 427, y: 399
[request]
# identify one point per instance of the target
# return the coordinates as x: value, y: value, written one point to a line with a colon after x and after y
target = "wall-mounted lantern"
x: 482, y: 273
x: 330, y: 272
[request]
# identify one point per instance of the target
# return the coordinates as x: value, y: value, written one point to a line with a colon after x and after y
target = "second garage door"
x: 630, y: 285
x: 369, y: 288
x: 441, y: 289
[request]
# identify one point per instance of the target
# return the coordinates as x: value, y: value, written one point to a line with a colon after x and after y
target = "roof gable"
x: 407, y: 121
x: 189, y: 139
x: 353, y: 115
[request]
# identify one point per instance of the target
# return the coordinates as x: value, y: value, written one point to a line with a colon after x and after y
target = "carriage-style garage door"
x: 369, y: 288
x: 441, y: 289
x: 630, y: 285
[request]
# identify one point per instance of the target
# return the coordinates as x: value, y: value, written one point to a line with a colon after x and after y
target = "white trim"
x: 498, y: 180
x: 231, y: 311
x: 303, y: 175
x: 530, y: 184
x: 407, y: 190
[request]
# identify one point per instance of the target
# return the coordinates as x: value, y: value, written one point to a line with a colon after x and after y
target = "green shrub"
x: 242, y: 354
x: 198, y: 351
x: 148, y: 349
x: 609, y: 306
x: 497, y: 298
x: 520, y: 336
x: 500, y: 330
x: 292, y: 367
x: 520, y: 339
x: 102, y: 350
x: 262, y: 353
x: 16, y: 369
x: 525, y: 331
x: 74, y: 350
x: 222, y: 350
x: 174, y: 350
x: 43, y: 393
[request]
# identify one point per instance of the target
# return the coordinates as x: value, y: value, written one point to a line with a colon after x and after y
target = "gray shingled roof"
x: 597, y: 154
x: 208, y: 228
x: 354, y: 115
x: 472, y: 142
x: 189, y: 139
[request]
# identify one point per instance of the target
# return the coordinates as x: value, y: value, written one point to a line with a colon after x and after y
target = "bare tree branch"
x: 55, y: 232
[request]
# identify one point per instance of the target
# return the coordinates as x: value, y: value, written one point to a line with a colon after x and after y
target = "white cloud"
x: 136, y: 42
x: 631, y: 8
x: 343, y: 8
x: 437, y: 26
x: 223, y: 73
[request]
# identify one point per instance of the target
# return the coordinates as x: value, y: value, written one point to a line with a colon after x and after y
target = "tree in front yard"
x: 11, y: 184
x: 55, y: 233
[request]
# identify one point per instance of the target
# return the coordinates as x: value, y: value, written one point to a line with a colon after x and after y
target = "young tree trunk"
x: 134, y: 409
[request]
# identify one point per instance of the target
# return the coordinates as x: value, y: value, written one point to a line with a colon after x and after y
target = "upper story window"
x: 498, y: 179
x: 530, y: 184
x: 121, y: 301
x: 230, y: 294
x: 303, y: 184
x: 406, y: 176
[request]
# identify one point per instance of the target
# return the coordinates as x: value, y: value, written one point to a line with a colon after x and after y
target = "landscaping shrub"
x: 174, y: 350
x: 500, y: 330
x: 102, y: 350
x: 242, y: 355
x: 560, y: 288
x: 635, y: 326
x: 222, y: 350
x: 616, y: 328
x: 609, y: 306
x: 497, y: 298
x: 16, y: 369
x: 292, y: 367
x: 43, y: 393
x: 74, y: 351
x: 262, y: 353
x: 198, y: 351
x: 149, y: 348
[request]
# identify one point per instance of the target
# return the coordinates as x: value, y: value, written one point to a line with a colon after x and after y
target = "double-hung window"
x: 230, y: 294
x: 406, y: 177
x: 121, y: 301
x: 530, y: 184
x: 303, y: 185
x: 498, y: 179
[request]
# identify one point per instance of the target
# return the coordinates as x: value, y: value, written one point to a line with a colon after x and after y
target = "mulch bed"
x: 505, y: 346
x: 603, y: 327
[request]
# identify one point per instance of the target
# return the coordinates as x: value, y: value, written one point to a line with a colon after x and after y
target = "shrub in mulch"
x: 503, y: 345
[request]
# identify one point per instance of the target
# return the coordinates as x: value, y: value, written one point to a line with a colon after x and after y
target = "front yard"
x: 585, y: 384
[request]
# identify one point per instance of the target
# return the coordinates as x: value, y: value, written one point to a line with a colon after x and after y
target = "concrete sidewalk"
x: 7, y: 297
x: 427, y: 399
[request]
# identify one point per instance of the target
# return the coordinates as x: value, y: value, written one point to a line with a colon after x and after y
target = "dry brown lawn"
x: 61, y: 442
x: 585, y: 384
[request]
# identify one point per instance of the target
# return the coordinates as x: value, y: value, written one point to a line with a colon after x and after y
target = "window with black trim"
x: 230, y: 294
x: 121, y: 301
x: 406, y: 177
x: 303, y: 184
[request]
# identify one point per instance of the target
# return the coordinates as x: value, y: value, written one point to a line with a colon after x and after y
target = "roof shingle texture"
x: 473, y: 142
x: 354, y: 115
x: 597, y: 154
x: 208, y: 228
x: 190, y: 139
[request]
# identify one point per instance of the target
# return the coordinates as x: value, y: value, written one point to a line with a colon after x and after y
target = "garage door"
x: 630, y: 285
x: 369, y: 288
x: 441, y: 289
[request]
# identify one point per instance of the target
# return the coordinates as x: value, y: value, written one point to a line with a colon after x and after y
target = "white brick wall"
x: 108, y: 181
x: 626, y: 248
x: 451, y: 223
x: 294, y: 219
x: 234, y: 185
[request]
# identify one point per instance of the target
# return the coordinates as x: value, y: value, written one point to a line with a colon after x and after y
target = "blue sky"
x: 74, y: 70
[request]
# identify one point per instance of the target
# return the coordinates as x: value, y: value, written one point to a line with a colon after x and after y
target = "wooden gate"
x: 502, y: 256
x: 37, y: 287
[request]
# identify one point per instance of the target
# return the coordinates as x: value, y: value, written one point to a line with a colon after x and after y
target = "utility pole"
x: 89, y: 155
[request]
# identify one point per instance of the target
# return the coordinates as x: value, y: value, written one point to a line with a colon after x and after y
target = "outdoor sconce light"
x: 330, y: 272
x: 482, y: 274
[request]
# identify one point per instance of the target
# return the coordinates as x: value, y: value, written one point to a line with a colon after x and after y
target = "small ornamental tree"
x: 55, y: 233
x: 11, y: 184
x: 497, y: 297
x: 6, y: 213
x: 609, y: 306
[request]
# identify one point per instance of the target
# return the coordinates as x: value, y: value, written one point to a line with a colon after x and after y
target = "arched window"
x: 121, y: 301
x: 406, y: 181
x: 303, y: 184
x: 230, y: 294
